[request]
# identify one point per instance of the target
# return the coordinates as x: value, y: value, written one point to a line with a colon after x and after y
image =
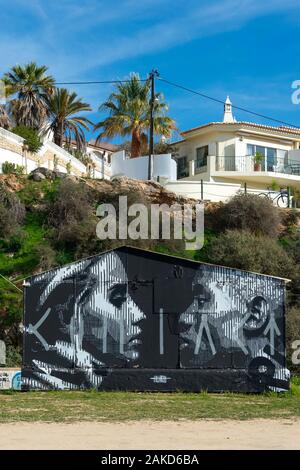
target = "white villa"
x: 222, y: 155
x: 13, y: 150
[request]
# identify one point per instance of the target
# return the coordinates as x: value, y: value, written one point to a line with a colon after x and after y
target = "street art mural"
x: 10, y: 379
x: 135, y: 320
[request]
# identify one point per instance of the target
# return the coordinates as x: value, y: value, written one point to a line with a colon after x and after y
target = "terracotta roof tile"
x: 100, y: 145
x: 282, y: 129
x: 103, y: 145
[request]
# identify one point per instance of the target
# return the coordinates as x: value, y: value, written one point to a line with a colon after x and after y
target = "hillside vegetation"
x: 53, y: 222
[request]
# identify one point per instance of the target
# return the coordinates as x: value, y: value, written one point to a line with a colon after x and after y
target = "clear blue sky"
x: 249, y: 49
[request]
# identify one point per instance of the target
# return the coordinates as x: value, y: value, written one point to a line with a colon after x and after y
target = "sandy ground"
x: 257, y: 434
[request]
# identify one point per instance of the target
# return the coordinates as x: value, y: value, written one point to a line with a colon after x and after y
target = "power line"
x: 182, y: 87
x: 222, y: 102
x: 10, y: 282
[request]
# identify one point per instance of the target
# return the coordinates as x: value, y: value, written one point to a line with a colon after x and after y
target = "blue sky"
x: 249, y: 49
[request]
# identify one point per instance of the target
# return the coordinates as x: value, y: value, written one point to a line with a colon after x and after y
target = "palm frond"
x: 29, y: 87
x: 65, y: 122
x: 128, y: 108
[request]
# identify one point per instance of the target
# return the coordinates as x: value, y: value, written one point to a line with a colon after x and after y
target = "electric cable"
x: 203, y: 95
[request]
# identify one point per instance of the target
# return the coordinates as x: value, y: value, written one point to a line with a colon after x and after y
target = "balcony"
x: 283, y: 170
x: 245, y: 164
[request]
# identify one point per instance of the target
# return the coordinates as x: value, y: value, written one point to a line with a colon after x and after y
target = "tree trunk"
x: 136, y: 144
x: 59, y: 134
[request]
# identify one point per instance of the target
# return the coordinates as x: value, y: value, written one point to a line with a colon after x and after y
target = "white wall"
x: 46, y: 154
x: 14, y: 138
x: 7, y: 155
x: 62, y: 155
x: 212, y: 191
x: 103, y: 169
x: 163, y: 166
x: 11, y: 157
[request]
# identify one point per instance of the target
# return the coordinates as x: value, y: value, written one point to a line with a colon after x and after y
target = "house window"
x: 272, y: 158
x: 182, y: 170
x: 250, y: 149
x: 201, y: 156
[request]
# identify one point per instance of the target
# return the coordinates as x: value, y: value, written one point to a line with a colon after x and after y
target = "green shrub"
x: 72, y: 203
x: 275, y: 186
x: 292, y: 246
x: 38, y: 192
x: 293, y: 217
x: 295, y: 192
x: 13, y: 356
x: 11, y: 309
x: 14, y: 242
x: 31, y: 137
x: 64, y: 257
x: 72, y: 218
x: 69, y: 167
x: 9, y: 168
x: 46, y: 256
x: 12, y: 213
x: 249, y: 212
x: 244, y: 250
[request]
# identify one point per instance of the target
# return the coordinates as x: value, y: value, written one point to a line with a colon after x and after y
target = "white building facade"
x: 227, y: 156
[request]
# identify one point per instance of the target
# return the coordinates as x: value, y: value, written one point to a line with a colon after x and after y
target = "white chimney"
x: 228, y: 117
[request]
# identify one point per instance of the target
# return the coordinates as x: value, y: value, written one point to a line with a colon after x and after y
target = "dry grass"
x: 72, y: 406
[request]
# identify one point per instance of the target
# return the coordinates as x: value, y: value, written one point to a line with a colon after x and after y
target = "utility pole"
x: 152, y: 75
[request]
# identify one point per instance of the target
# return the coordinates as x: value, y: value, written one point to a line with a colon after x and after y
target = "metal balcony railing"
x: 246, y: 164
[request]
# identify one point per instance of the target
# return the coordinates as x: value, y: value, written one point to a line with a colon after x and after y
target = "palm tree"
x: 63, y: 107
x: 29, y: 85
x: 5, y: 121
x: 129, y: 114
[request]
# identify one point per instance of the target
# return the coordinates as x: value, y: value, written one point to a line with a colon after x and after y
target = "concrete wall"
x: 12, y: 157
x: 102, y: 168
x: 212, y: 190
x: 46, y: 158
x: 163, y: 166
x: 11, y: 150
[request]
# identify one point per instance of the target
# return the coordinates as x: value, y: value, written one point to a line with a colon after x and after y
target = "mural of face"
x: 103, y: 328
x: 232, y: 322
x: 206, y: 322
x: 114, y: 316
